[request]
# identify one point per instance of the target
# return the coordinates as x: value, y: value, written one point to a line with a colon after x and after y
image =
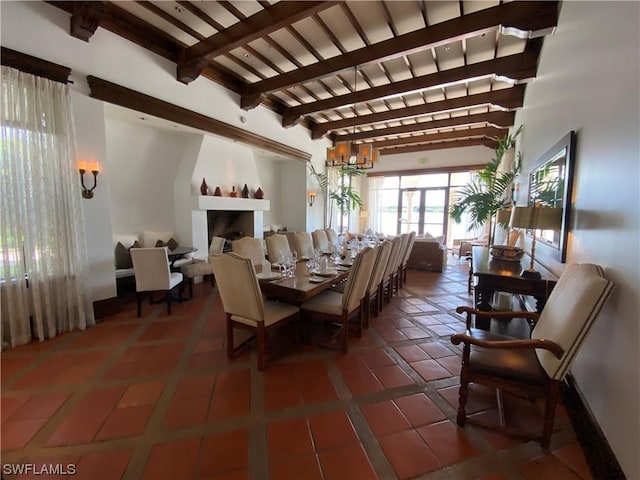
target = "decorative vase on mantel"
x: 217, y: 192
x: 233, y: 192
x: 204, y: 189
x: 245, y: 191
x: 259, y: 194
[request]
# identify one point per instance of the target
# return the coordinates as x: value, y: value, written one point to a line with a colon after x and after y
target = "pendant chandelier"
x: 361, y: 155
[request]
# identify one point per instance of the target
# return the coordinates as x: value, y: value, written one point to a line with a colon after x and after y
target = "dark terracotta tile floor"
x: 156, y: 398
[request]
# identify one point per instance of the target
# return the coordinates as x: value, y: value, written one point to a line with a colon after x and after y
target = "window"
x: 420, y: 203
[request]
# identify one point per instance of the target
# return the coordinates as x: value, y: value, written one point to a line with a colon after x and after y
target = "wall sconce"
x: 311, y: 195
x: 82, y: 168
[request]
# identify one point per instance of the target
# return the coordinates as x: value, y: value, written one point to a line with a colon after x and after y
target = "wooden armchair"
x: 533, y: 367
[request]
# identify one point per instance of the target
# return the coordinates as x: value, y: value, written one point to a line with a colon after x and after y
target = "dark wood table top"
x: 484, y: 265
x: 180, y: 250
x: 299, y: 289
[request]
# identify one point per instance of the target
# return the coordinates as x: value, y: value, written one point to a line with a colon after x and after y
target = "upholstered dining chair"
x: 216, y: 247
x: 533, y: 367
x: 389, y: 276
x: 342, y: 307
x: 402, y: 267
x: 152, y: 274
x: 277, y: 248
x: 304, y: 244
x: 374, y: 289
x: 320, y: 241
x: 332, y: 237
x: 244, y: 306
x: 202, y: 267
x: 249, y: 247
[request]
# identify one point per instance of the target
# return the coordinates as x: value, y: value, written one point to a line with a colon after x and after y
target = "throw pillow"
x: 136, y: 244
x: 172, y: 244
x: 160, y: 243
x: 123, y: 257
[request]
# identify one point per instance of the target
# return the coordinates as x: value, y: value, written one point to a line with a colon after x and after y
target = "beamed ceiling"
x: 405, y: 75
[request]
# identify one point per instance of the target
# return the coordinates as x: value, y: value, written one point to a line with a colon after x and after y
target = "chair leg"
x: 345, y: 332
x: 139, y: 299
x: 550, y: 412
x: 261, y: 346
x: 229, y: 337
x: 462, y: 401
x: 464, y: 386
x: 366, y: 305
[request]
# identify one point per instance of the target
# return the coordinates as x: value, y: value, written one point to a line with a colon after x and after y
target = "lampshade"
x: 331, y: 157
x: 503, y: 216
x: 343, y: 152
x: 541, y: 218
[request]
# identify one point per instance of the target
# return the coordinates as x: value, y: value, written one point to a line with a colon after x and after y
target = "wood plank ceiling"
x: 406, y: 75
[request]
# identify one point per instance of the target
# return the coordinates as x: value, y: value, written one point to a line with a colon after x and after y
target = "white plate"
x: 329, y: 273
x: 268, y: 276
x: 316, y: 279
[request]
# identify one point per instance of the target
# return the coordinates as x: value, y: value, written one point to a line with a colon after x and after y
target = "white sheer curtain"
x: 374, y: 204
x: 44, y: 269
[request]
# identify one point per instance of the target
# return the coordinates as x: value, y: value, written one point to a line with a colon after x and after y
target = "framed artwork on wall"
x: 550, y: 185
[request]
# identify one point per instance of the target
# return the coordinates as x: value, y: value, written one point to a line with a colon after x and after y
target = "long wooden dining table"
x: 298, y: 289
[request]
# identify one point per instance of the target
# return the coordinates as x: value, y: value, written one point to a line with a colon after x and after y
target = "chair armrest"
x: 493, y: 314
x: 468, y: 339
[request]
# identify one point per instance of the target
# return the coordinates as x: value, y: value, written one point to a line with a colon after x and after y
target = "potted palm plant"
x: 490, y: 189
x: 339, y: 191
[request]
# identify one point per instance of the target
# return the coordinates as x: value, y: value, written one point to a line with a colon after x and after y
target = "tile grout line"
x: 148, y: 439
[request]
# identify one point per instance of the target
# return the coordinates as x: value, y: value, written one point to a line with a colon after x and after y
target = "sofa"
x: 428, y: 254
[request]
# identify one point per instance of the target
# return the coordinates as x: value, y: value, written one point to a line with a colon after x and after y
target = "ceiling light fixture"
x: 341, y: 153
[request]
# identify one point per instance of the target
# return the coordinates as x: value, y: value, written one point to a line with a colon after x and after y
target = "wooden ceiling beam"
x: 505, y: 98
x: 515, y: 14
x: 34, y: 65
x: 125, y: 97
x: 434, y: 137
x: 497, y: 119
x: 192, y: 59
x: 471, y: 142
x: 521, y: 66
x: 85, y: 19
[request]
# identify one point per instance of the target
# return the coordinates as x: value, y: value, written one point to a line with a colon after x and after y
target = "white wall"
x: 588, y: 81
x: 270, y: 182
x: 450, y: 157
x: 143, y: 163
x: 115, y: 59
x: 91, y: 147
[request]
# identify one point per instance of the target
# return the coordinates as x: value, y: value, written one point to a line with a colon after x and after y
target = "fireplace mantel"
x: 230, y: 203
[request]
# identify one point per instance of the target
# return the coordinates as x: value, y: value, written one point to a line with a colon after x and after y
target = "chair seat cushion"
x: 512, y: 364
x: 124, y: 272
x: 326, y: 302
x: 273, y: 313
x: 175, y: 279
x: 182, y: 261
x: 197, y: 269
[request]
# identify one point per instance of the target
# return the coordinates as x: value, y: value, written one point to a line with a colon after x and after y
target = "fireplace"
x: 230, y: 224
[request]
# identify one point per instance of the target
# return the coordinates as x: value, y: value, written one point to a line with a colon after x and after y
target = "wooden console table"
x: 492, y: 276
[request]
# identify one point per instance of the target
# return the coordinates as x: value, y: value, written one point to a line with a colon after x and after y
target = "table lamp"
x: 535, y: 218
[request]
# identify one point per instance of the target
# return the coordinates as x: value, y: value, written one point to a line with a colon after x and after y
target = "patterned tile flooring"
x: 156, y: 398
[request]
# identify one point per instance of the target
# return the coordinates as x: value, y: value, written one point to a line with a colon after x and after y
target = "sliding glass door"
x: 423, y: 210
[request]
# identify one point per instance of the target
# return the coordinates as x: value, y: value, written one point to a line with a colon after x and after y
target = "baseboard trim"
x: 600, y: 457
x: 108, y: 306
